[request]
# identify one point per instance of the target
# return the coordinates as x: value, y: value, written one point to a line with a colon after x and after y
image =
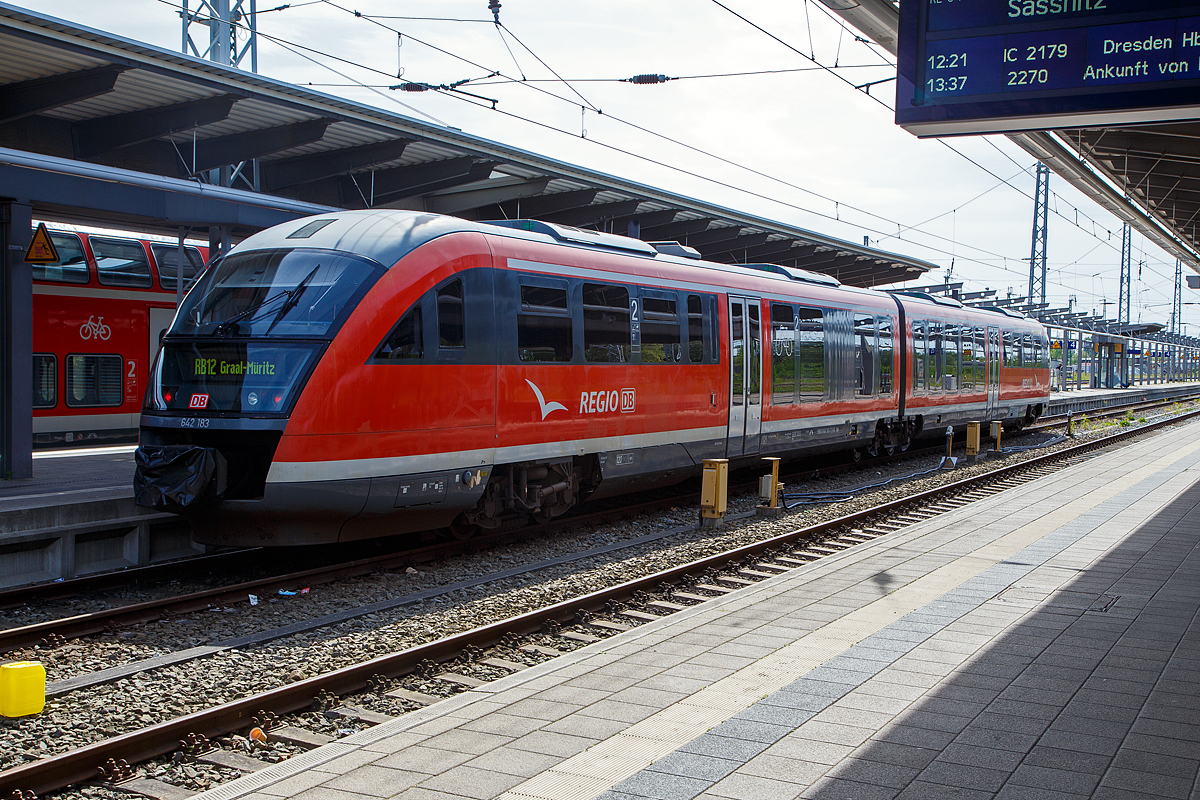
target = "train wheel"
x: 461, y: 529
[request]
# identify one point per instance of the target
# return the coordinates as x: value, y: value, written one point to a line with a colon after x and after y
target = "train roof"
x: 387, y: 235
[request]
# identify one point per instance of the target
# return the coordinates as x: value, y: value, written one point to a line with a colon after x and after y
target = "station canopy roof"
x: 79, y: 101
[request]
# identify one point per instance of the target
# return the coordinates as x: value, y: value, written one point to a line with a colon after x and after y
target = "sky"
x: 795, y: 141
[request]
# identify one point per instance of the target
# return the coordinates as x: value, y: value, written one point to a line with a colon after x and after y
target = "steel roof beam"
x: 713, y: 236
x: 651, y: 219
x: 735, y: 248
x: 676, y: 231
x: 284, y: 172
x: 594, y: 214
x: 387, y: 185
x: 238, y: 147
x: 822, y: 258
x: 42, y: 94
x: 484, y: 194
x: 95, y: 136
x: 782, y: 250
x: 542, y: 205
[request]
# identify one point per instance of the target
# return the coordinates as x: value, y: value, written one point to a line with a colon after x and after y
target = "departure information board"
x: 987, y: 66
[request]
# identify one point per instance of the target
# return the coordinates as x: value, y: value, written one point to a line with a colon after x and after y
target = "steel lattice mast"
x: 1126, y: 275
x: 1037, y: 255
x: 224, y: 20
x: 1177, y: 302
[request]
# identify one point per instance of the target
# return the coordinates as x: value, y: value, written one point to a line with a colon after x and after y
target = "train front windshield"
x: 250, y: 332
x: 277, y: 293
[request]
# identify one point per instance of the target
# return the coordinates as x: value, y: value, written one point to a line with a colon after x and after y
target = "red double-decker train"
x: 98, y: 314
x: 367, y: 373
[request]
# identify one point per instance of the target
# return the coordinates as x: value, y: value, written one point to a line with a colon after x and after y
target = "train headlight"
x: 252, y: 398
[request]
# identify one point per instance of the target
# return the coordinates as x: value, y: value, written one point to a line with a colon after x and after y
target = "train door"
x: 745, y: 376
x: 993, y: 371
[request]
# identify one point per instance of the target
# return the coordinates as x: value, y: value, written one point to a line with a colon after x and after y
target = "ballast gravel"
x: 103, y: 711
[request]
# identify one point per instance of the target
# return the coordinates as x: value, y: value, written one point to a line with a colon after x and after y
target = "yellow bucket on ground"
x: 22, y: 688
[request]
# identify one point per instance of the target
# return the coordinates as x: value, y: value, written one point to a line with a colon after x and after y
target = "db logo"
x: 198, y: 401
x: 627, y: 401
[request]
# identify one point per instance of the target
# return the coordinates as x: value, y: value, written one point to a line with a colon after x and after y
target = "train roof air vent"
x: 933, y: 298
x: 675, y: 249
x: 309, y: 229
x: 796, y: 274
x: 565, y: 233
x: 1005, y: 311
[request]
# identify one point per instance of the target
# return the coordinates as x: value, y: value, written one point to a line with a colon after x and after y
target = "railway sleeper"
x: 154, y: 789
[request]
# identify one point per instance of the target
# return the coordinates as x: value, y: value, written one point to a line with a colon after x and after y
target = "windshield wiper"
x: 224, y: 325
x: 293, y: 298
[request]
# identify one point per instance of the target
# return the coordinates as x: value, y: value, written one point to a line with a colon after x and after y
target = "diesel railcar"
x: 368, y: 373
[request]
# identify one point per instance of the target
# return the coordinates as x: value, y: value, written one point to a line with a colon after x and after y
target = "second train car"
x: 369, y: 373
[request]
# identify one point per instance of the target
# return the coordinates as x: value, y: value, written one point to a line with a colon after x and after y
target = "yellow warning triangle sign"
x: 41, y: 247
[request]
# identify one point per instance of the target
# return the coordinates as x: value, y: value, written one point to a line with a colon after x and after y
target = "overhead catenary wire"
x: 836, y: 216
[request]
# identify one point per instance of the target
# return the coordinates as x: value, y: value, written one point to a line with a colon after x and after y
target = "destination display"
x: 982, y: 66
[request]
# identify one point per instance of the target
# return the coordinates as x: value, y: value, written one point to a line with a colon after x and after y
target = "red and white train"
x: 368, y: 373
x: 98, y: 313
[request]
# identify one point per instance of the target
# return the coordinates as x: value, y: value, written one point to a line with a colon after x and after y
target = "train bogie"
x: 480, y: 375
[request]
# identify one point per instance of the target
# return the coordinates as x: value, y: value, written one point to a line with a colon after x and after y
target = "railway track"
x: 248, y: 559
x: 523, y: 638
x: 57, y: 631
x: 1112, y: 412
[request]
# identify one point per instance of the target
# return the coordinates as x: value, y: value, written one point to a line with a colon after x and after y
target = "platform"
x: 76, y: 516
x: 1041, y: 643
x: 1083, y: 400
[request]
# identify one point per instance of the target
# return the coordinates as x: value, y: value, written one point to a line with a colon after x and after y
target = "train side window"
x: 918, y: 354
x: 121, y: 262
x: 95, y: 380
x: 544, y: 323
x: 45, y: 380
x: 810, y: 327
x: 950, y: 344
x: 1012, y: 350
x: 864, y: 355
x: 980, y: 357
x: 754, y: 384
x: 167, y: 257
x: 783, y: 354
x: 967, y: 377
x: 886, y: 356
x: 660, y: 329
x: 737, y: 348
x: 606, y: 328
x: 1027, y: 350
x: 933, y: 362
x: 696, y: 329
x: 451, y: 319
x: 406, y: 341
x: 71, y: 266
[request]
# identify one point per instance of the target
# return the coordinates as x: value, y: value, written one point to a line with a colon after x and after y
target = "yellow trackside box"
x: 972, y: 438
x: 714, y: 490
x: 22, y: 688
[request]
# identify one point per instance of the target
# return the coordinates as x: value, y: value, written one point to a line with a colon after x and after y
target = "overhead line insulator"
x: 649, y: 78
